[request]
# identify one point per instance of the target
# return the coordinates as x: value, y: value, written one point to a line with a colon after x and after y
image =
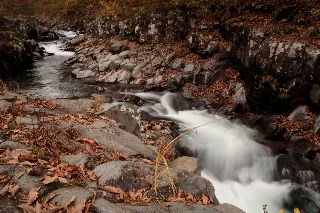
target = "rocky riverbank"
x: 245, y: 62
x: 58, y: 155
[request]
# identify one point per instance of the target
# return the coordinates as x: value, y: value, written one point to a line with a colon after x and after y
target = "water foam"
x: 56, y: 48
x: 240, y: 169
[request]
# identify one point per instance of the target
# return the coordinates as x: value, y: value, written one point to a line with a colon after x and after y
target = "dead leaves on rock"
x: 9, y: 190
x: 187, y: 197
x: 17, y: 157
x: 132, y: 197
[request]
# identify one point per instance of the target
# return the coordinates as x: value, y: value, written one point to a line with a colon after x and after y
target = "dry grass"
x: 162, y: 159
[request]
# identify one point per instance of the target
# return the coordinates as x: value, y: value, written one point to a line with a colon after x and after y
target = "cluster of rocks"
x: 114, y: 136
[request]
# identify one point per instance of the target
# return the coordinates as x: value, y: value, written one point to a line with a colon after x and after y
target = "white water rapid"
x: 240, y: 169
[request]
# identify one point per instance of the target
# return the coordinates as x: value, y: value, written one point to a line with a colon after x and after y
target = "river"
x: 241, y: 170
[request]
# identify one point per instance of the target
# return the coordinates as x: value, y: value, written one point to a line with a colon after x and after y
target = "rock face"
x: 18, y: 49
x: 277, y: 73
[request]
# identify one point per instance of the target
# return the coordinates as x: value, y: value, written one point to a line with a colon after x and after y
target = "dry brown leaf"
x: 62, y: 180
x: 73, y: 198
x: 4, y: 190
x: 49, y: 179
x: 17, y: 152
x: 38, y: 208
x: 33, y: 195
x: 13, y: 189
x: 205, y: 200
x: 79, y: 207
x: 27, y: 208
x: 49, y: 198
x: 112, y: 189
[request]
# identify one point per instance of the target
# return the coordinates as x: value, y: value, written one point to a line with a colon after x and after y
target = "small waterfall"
x: 240, y: 169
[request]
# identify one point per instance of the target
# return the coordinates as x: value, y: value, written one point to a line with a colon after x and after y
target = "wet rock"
x: 78, y: 73
x: 26, y: 120
x: 299, y: 170
x: 12, y: 145
x: 298, y: 144
x: 116, y: 47
x: 83, y: 160
x: 188, y: 164
x: 315, y: 94
x: 269, y: 127
x: 9, y: 206
x: 299, y: 114
x: 240, y: 101
x: 65, y: 194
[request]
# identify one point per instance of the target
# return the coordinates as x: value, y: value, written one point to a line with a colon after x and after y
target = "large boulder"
x: 128, y: 175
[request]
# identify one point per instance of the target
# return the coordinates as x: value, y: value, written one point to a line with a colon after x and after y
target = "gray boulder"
x: 65, y: 194
x: 128, y: 175
x: 299, y: 114
x: 104, y: 66
x: 240, y: 101
x: 116, y: 47
x: 83, y: 160
x: 188, y: 164
x: 189, y: 68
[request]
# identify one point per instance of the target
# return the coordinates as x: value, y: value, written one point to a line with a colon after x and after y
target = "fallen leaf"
x: 33, y: 195
x: 62, y: 180
x: 38, y: 208
x: 17, y: 152
x: 79, y: 207
x: 205, y: 200
x: 27, y: 208
x: 4, y: 190
x: 49, y: 198
x: 49, y: 179
x: 13, y: 189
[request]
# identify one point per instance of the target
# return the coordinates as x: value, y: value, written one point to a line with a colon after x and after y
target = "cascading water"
x: 241, y: 170
x: 49, y: 78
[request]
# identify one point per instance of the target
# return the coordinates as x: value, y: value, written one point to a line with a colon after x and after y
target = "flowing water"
x: 49, y: 77
x: 241, y: 170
